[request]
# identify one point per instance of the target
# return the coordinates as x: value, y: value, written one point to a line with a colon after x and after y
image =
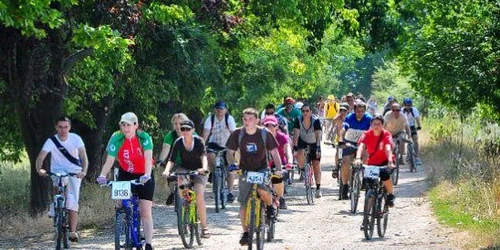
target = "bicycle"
x: 308, y: 176
x: 272, y: 223
x: 255, y: 209
x: 188, y: 221
x: 398, y: 155
x: 219, y: 188
x: 355, y: 190
x: 376, y: 208
x: 61, y: 220
x: 411, y: 155
x: 127, y: 216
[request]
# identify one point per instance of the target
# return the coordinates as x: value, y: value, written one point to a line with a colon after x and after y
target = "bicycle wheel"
x: 216, y: 189
x: 271, y: 226
x: 196, y: 227
x: 395, y: 175
x: 59, y: 227
x: 260, y: 230
x: 251, y: 222
x: 382, y: 215
x: 122, y: 233
x: 65, y: 229
x: 411, y: 158
x: 309, y: 196
x: 368, y: 214
x: 183, y: 225
x: 223, y: 190
x: 355, y: 189
x: 341, y: 186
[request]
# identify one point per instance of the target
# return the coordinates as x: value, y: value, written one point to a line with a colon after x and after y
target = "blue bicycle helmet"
x: 407, y: 101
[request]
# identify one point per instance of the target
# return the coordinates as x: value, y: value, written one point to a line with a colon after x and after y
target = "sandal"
x: 205, y: 234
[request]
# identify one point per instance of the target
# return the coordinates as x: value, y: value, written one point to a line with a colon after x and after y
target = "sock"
x: 317, y: 186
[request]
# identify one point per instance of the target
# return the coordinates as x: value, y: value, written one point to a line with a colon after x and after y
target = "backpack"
x: 263, y: 135
x: 411, y: 111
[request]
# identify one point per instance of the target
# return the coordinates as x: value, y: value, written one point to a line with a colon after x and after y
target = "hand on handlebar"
x: 391, y: 165
x: 42, y: 172
x: 165, y: 174
x: 102, y: 180
x: 358, y: 162
x: 81, y: 175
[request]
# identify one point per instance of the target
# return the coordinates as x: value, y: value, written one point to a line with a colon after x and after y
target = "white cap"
x: 298, y: 105
x: 129, y: 118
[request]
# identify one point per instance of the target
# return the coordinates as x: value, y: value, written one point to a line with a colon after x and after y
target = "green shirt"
x: 290, y: 117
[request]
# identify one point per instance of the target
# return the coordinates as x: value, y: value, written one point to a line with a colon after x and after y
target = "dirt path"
x: 326, y: 225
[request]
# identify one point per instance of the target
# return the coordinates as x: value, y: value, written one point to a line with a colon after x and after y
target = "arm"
x: 39, y: 163
x: 276, y: 159
x: 148, y: 154
x: 388, y: 151
x: 230, y: 156
x: 288, y: 153
x: 296, y: 133
x: 360, y: 151
x: 204, y: 163
x: 419, y: 124
x: 107, y: 165
x: 164, y: 152
x: 206, y: 133
x: 85, y: 162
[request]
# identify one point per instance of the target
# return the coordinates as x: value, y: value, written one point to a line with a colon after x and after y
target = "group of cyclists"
x: 271, y: 140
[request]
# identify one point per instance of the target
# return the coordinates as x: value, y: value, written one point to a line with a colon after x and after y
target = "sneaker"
x: 345, y: 192
x: 230, y: 198
x: 148, y: 247
x: 390, y: 200
x: 170, y: 200
x: 318, y: 193
x: 244, y: 239
x: 283, y: 203
x: 73, y: 237
x: 52, y: 212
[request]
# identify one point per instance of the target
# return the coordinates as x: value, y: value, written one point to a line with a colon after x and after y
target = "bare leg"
x: 200, y: 201
x: 73, y: 220
x: 145, y: 208
x: 317, y: 171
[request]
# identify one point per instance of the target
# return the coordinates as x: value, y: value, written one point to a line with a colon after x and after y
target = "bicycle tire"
x: 122, y: 234
x: 251, y: 223
x: 368, y: 214
x: 183, y: 225
x: 271, y: 227
x: 355, y: 190
x: 411, y: 158
x: 65, y: 231
x: 59, y: 227
x: 395, y: 175
x: 223, y: 190
x: 196, y: 226
x: 307, y: 183
x: 260, y: 235
x: 216, y: 189
x: 382, y: 215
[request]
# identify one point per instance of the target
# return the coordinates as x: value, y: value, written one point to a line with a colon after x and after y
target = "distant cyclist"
x: 397, y: 124
x: 134, y: 150
x: 282, y: 121
x: 338, y: 123
x: 415, y: 124
x: 387, y: 106
x: 191, y: 150
x: 350, y: 99
x: 331, y: 110
x: 289, y: 112
x: 216, y: 131
x: 68, y: 155
x: 355, y: 125
x: 378, y: 143
x: 307, y: 132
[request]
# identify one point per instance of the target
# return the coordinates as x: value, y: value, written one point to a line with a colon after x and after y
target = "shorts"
x: 72, y: 191
x: 197, y: 179
x: 312, y: 147
x: 413, y: 130
x: 349, y: 150
x: 146, y: 191
x: 245, y: 189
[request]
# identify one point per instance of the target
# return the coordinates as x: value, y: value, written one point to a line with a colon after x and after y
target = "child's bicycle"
x: 61, y: 222
x: 127, y: 217
x: 188, y: 221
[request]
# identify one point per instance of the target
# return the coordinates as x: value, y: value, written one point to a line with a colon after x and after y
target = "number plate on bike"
x: 372, y: 172
x: 255, y: 177
x: 121, y: 190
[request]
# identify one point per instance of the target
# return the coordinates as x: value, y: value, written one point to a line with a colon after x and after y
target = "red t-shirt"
x: 131, y: 156
x: 377, y: 155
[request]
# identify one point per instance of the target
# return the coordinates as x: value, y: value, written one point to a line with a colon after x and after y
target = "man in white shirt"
x: 216, y: 130
x: 59, y: 163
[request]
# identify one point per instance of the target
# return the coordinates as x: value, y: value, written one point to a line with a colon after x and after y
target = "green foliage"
x: 389, y: 80
x: 454, y: 52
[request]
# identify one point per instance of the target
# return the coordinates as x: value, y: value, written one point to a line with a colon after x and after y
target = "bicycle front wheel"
x: 382, y: 215
x: 185, y: 229
x: 308, y: 186
x: 195, y: 225
x: 411, y: 158
x: 59, y: 219
x: 251, y: 221
x: 355, y: 190
x: 223, y: 190
x: 369, y: 214
x: 260, y: 229
x: 122, y: 230
x: 216, y: 189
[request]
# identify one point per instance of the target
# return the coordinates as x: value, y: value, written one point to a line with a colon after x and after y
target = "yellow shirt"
x: 331, y: 109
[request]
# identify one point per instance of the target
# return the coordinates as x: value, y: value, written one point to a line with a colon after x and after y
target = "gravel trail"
x: 326, y: 225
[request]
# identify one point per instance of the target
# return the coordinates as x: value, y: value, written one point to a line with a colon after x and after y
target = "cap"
x: 187, y: 124
x: 390, y: 98
x: 331, y: 97
x: 289, y: 100
x: 270, y: 119
x: 129, y: 118
x: 344, y: 106
x: 299, y: 105
x: 220, y: 105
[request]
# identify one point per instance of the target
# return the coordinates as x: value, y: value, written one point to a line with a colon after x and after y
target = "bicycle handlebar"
x: 193, y: 172
x: 136, y: 182
x: 61, y: 174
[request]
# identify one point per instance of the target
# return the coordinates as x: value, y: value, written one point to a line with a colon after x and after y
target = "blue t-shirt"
x: 354, y: 128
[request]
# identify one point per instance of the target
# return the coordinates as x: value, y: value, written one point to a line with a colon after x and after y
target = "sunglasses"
x: 306, y: 110
x: 396, y: 110
x: 184, y: 129
x: 270, y: 126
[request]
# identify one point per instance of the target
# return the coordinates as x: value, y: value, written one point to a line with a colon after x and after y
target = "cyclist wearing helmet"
x: 414, y: 121
x: 354, y: 126
x: 387, y: 106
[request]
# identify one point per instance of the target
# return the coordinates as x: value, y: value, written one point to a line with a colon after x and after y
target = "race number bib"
x: 255, y: 177
x: 121, y: 190
x: 353, y: 135
x: 372, y: 172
